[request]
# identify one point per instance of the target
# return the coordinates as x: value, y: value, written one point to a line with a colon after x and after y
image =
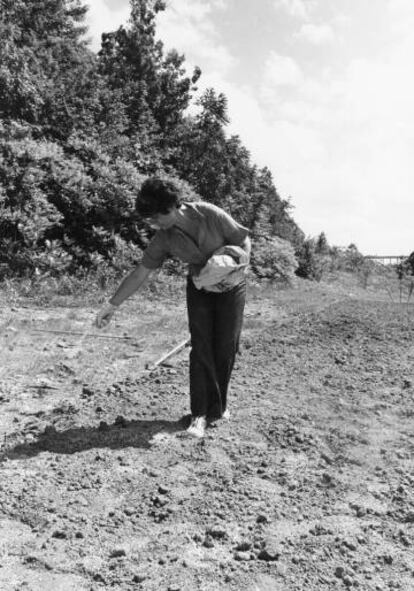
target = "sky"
x: 319, y: 91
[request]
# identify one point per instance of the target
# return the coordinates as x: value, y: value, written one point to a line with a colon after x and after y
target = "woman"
x: 196, y: 233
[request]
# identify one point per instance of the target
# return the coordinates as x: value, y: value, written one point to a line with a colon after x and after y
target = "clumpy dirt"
x: 309, y: 486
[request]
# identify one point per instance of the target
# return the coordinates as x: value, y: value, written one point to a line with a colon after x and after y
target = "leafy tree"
x: 84, y: 205
x: 409, y: 264
x: 26, y: 215
x: 311, y: 264
x: 274, y: 259
x: 79, y: 133
x: 352, y: 259
x: 47, y: 73
x: 272, y: 213
x: 220, y: 169
x: 321, y: 245
x: 200, y: 154
x: 152, y: 86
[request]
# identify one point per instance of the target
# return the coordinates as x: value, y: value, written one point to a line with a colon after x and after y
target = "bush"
x: 64, y: 210
x: 313, y: 261
x: 406, y: 267
x: 321, y: 244
x: 350, y: 259
x: 274, y: 259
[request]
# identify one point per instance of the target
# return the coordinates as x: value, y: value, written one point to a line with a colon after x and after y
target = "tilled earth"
x: 309, y: 486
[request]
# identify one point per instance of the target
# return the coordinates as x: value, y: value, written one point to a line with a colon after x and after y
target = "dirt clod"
x: 117, y: 553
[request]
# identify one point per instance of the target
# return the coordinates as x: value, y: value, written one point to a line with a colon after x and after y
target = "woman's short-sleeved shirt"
x: 206, y: 229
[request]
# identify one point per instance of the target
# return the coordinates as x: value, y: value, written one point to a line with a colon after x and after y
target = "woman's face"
x: 162, y: 221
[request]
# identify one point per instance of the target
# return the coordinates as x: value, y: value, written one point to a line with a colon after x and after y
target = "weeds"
x: 79, y: 290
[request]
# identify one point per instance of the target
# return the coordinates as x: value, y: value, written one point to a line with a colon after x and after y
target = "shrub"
x: 405, y: 274
x: 406, y: 267
x: 321, y: 244
x: 312, y: 262
x: 62, y: 210
x: 351, y: 259
x: 274, y: 259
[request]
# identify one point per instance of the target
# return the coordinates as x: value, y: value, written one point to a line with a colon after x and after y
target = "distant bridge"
x: 387, y: 259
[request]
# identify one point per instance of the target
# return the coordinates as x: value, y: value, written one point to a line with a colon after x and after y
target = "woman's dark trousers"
x: 215, y: 322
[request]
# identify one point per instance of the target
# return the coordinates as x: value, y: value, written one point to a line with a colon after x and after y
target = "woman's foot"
x: 197, y: 427
x: 213, y: 421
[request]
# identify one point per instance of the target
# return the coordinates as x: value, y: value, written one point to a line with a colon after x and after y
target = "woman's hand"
x: 238, y: 253
x: 104, y: 315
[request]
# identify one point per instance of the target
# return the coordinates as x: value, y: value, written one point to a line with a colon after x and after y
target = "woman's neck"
x: 180, y: 216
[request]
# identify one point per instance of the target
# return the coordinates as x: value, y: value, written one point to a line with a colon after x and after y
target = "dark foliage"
x: 80, y: 132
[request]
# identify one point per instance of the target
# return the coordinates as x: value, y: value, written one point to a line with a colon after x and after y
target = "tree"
x: 272, y: 213
x: 200, y: 151
x: 409, y: 262
x: 82, y: 203
x: 152, y: 87
x: 220, y: 169
x: 309, y: 266
x: 47, y: 73
x: 274, y: 259
x: 79, y: 132
x: 321, y: 245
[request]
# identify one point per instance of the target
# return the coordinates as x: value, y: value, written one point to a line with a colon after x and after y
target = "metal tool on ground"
x: 84, y: 334
x: 164, y: 358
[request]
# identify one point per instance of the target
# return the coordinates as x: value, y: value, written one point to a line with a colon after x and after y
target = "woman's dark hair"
x: 157, y: 196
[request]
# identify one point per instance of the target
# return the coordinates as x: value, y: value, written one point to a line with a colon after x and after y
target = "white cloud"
x: 401, y: 15
x: 316, y: 34
x: 102, y: 18
x: 115, y: 5
x: 296, y: 8
x: 341, y: 140
x: 183, y: 25
x: 341, y: 20
x: 188, y: 28
x: 341, y: 144
x: 194, y: 11
x: 279, y: 71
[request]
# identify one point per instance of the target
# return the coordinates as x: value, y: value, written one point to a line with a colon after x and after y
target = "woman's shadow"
x: 119, y: 435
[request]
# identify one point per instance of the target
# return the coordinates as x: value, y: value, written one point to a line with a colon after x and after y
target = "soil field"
x: 309, y: 486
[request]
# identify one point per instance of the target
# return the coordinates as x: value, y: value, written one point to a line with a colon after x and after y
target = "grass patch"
x: 81, y: 290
